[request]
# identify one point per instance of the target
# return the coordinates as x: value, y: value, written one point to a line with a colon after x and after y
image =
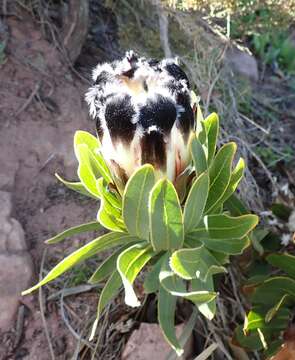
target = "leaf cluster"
x: 182, y: 238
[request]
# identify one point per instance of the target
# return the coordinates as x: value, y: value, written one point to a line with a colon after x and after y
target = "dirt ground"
x: 41, y: 107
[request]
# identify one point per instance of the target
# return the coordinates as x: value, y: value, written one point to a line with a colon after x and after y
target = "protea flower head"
x: 143, y: 114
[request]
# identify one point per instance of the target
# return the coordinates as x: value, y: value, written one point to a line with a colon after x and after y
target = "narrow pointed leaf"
x: 91, y: 226
x: 197, y: 263
x: 110, y: 290
x: 166, y: 314
x: 200, y: 128
x: 212, y: 127
x: 106, y: 268
x: 103, y: 242
x: 198, y: 155
x: 195, y: 203
x: 220, y: 174
x: 235, y: 179
x: 79, y: 187
x: 274, y: 310
x: 165, y: 215
x: 129, y: 263
x: 135, y: 201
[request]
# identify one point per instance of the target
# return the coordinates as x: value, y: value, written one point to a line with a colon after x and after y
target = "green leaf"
x: 225, y: 246
x: 285, y: 262
x: 91, y: 226
x: 129, y: 263
x: 166, y: 314
x: 103, y: 242
x: 88, y: 171
x: 212, y: 128
x: 106, y: 268
x: 220, y: 174
x: 255, y: 319
x: 251, y: 341
x: 224, y: 226
x: 235, y: 179
x: 110, y: 290
x: 165, y: 216
x: 273, y: 289
x: 85, y: 138
x: 235, y: 206
x: 195, y: 203
x: 208, y: 309
x: 200, y: 128
x: 151, y: 281
x: 176, y: 287
x: 274, y: 310
x: 108, y: 215
x: 197, y: 263
x: 198, y: 155
x: 135, y: 201
x: 78, y: 187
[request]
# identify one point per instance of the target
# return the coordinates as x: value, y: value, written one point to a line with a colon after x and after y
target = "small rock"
x: 12, y: 237
x: 148, y: 342
x: 242, y: 63
x: 15, y: 276
x: 6, y: 204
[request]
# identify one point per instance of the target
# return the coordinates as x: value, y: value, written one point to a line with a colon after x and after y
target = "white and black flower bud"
x: 143, y: 113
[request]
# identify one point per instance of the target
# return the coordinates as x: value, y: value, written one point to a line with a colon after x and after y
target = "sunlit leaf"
x: 106, y: 268
x: 225, y: 246
x: 165, y: 215
x: 195, y: 203
x: 78, y: 187
x: 129, y: 263
x: 135, y: 201
x: 198, y: 155
x: 108, y: 215
x: 255, y: 319
x: 110, y: 290
x: 220, y: 174
x: 91, y: 226
x: 223, y: 226
x: 236, y: 176
x: 85, y: 138
x: 88, y: 170
x: 103, y: 242
x: 195, y: 263
x: 212, y: 127
x: 176, y: 287
x: 208, y: 309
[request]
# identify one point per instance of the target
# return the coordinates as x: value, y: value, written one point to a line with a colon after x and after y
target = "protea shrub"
x: 166, y: 193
